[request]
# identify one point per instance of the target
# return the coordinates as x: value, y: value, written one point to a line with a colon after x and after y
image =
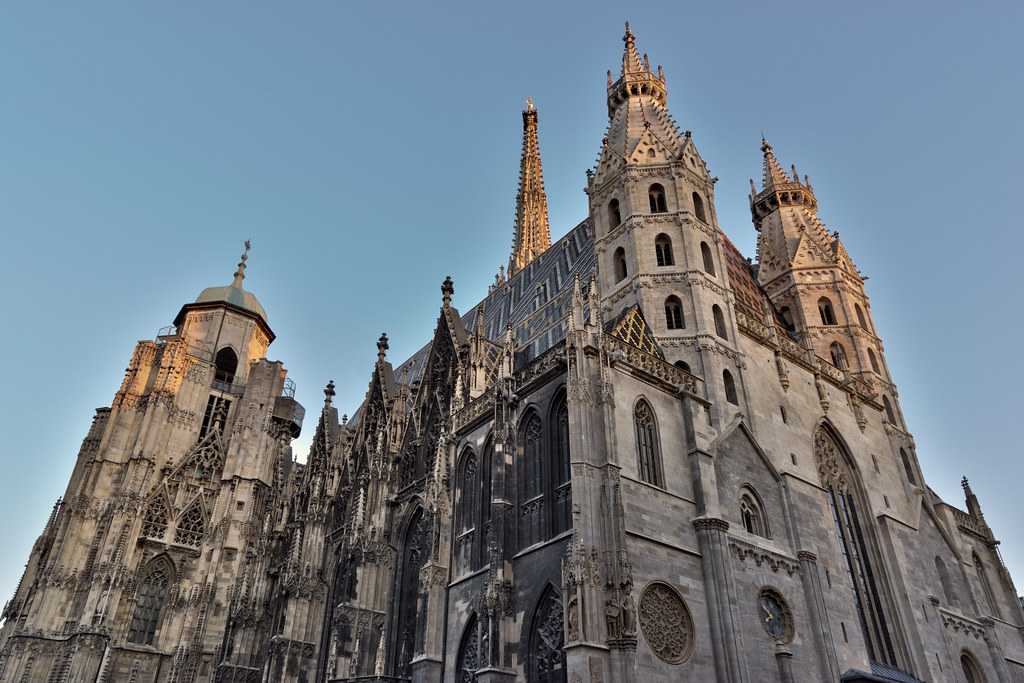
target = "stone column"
x: 784, y: 659
x: 994, y: 650
x: 818, y: 615
x: 721, y: 594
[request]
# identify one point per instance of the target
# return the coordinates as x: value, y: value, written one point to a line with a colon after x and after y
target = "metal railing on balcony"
x: 288, y: 390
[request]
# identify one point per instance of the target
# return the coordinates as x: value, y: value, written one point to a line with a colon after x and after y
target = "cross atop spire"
x: 240, y: 272
x: 532, y: 229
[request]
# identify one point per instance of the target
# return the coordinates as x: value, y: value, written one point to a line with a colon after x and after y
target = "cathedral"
x: 642, y: 457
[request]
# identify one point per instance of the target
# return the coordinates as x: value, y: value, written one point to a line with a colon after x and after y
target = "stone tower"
x: 812, y: 281
x: 174, y: 489
x: 659, y: 247
x: 532, y: 231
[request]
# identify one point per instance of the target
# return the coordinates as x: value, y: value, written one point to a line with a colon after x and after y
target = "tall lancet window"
x: 647, y: 446
x: 663, y: 250
x: 466, y: 508
x: 415, y: 551
x: 698, y: 207
x: 614, y: 216
x: 855, y: 537
x: 561, y: 512
x: 150, y: 597
x: 656, y: 196
x: 484, y: 527
x: 531, y: 481
x: 838, y: 355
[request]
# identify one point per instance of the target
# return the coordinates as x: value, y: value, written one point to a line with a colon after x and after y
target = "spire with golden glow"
x: 532, y: 230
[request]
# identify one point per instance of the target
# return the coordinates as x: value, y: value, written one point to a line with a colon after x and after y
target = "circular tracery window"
x: 666, y: 623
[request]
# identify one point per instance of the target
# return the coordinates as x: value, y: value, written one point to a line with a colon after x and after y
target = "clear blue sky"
x: 370, y: 151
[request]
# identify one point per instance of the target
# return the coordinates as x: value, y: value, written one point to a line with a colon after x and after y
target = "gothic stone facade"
x: 641, y: 457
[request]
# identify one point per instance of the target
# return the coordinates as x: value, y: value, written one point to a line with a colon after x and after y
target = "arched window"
x: 620, y: 264
x: 663, y: 250
x: 545, y: 656
x: 226, y: 364
x: 860, y: 316
x: 838, y: 355
x: 614, y: 217
x: 709, y: 261
x: 468, y: 660
x: 150, y: 597
x: 947, y: 584
x: 154, y: 522
x: 698, y: 207
x: 874, y: 362
x: 531, y: 482
x: 828, y: 316
x: 656, y: 195
x: 414, y: 553
x: 908, y: 467
x: 683, y: 365
x: 845, y: 497
x: 787, y: 318
x: 986, y: 587
x: 480, y: 556
x: 730, y: 388
x: 716, y: 312
x: 752, y: 514
x: 674, y: 313
x: 972, y: 672
x: 890, y: 415
x: 647, y: 446
x: 191, y: 526
x: 560, y: 466
x: 468, y: 488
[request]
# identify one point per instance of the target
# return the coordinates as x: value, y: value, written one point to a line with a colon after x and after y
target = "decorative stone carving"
x: 666, y: 623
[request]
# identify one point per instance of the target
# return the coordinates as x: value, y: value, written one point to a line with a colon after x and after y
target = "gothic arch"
x: 752, y: 512
x: 530, y: 487
x: 648, y: 443
x: 156, y: 580
x: 544, y: 638
x: 190, y: 526
x: 559, y: 467
x: 412, y: 555
x: 855, y: 534
x: 469, y: 660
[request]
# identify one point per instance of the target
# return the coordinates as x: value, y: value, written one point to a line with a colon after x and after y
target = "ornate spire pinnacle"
x: 778, y: 188
x: 636, y: 79
x: 329, y: 393
x: 240, y: 272
x: 772, y: 175
x: 532, y: 230
x: 382, y: 347
x: 630, y: 56
x: 447, y: 291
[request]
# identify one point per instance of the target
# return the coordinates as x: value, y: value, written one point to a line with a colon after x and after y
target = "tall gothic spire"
x: 532, y: 230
